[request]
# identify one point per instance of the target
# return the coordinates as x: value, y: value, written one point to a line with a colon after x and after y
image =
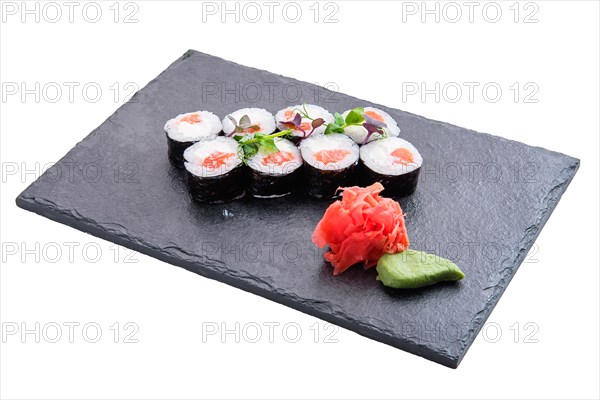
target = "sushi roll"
x: 249, y: 120
x: 187, y: 129
x: 394, y: 162
x: 288, y: 114
x: 330, y: 162
x: 359, y: 133
x: 214, y: 169
x: 275, y: 174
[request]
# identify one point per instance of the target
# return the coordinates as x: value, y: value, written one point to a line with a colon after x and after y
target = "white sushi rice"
x: 333, y: 141
x: 182, y: 131
x: 377, y: 155
x: 258, y: 162
x: 359, y: 134
x: 258, y: 116
x: 198, y: 152
x: 312, y: 110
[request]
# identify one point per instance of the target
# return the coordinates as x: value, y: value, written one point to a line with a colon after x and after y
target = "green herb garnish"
x: 249, y: 145
x: 356, y: 117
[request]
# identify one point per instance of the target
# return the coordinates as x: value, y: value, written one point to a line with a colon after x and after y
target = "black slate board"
x: 482, y: 201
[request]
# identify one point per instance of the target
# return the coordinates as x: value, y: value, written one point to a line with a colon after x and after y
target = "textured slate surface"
x: 481, y: 202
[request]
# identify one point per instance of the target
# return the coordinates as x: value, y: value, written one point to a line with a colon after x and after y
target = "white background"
x: 373, y: 51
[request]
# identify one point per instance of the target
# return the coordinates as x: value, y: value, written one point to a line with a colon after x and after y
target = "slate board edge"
x: 190, y: 52
x: 64, y: 217
x: 528, y: 240
x: 53, y: 213
x: 90, y: 227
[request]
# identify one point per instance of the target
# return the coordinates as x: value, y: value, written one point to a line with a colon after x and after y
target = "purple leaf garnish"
x: 317, y: 123
x: 371, y: 129
x: 245, y: 122
x: 244, y: 125
x: 288, y: 124
x: 294, y: 124
x: 373, y: 121
x: 236, y: 128
x: 297, y: 119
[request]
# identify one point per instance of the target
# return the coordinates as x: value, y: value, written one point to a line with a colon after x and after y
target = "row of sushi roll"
x: 300, y: 146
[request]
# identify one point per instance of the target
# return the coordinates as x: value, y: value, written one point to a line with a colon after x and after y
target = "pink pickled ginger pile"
x: 360, y: 228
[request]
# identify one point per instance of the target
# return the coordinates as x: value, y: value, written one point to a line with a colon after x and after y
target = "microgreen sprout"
x: 373, y: 126
x: 296, y: 122
x: 244, y: 125
x: 356, y: 117
x: 249, y: 145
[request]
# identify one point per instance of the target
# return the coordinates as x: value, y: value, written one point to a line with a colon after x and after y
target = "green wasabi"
x: 413, y: 269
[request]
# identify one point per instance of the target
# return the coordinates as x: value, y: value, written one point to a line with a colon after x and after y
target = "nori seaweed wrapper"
x: 271, y: 185
x: 218, y: 189
x: 394, y: 185
x: 175, y: 151
x: 324, y: 183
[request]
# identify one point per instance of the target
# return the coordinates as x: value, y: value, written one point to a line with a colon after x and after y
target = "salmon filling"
x: 402, y: 156
x: 289, y: 115
x: 331, y: 156
x: 374, y: 115
x: 217, y: 159
x: 191, y: 119
x: 277, y: 158
x: 252, y: 129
